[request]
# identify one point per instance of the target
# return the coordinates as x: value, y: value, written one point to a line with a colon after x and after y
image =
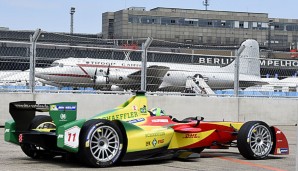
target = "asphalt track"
x: 13, y: 159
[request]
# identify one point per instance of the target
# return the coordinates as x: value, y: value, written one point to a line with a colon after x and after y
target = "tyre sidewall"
x: 39, y: 119
x: 85, y: 153
x: 244, y: 138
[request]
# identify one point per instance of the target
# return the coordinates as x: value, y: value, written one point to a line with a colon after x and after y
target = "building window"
x: 209, y: 23
x: 241, y: 25
x: 173, y: 21
x: 223, y: 23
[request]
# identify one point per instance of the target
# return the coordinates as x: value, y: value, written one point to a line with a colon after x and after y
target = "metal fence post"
x: 145, y: 46
x: 236, y: 71
x: 33, y: 40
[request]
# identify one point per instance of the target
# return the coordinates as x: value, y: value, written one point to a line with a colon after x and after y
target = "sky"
x: 53, y: 15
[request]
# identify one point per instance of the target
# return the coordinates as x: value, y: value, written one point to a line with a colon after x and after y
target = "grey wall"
x: 277, y: 111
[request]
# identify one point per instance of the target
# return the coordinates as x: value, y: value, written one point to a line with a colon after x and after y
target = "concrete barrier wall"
x: 275, y: 111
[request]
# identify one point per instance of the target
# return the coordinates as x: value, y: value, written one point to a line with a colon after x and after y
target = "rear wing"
x: 23, y: 112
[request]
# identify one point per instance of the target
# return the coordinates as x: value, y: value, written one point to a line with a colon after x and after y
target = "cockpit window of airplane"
x: 54, y: 64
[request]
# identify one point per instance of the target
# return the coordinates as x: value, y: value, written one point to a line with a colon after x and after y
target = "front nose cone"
x: 40, y: 75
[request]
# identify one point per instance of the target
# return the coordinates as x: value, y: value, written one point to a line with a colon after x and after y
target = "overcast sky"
x: 53, y: 15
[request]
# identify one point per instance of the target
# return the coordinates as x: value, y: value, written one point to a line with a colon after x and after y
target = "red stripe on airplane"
x: 107, y: 66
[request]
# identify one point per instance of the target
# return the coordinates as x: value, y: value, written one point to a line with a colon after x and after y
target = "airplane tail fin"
x: 249, y: 63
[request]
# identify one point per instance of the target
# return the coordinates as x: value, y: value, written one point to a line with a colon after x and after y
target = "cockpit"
x: 54, y: 64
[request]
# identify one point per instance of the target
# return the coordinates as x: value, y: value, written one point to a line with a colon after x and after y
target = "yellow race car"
x: 131, y: 132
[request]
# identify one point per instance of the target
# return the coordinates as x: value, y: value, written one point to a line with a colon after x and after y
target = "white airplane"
x: 87, y: 72
x: 289, y: 84
x: 16, y: 77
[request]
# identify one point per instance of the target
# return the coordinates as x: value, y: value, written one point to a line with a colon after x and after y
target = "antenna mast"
x: 206, y: 4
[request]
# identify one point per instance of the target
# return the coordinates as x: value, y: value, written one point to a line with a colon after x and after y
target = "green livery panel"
x: 63, y: 112
x: 10, y: 135
x: 68, y: 135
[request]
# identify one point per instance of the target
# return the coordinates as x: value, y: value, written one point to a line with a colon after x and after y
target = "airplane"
x: 124, y: 74
x: 289, y: 84
x: 15, y: 77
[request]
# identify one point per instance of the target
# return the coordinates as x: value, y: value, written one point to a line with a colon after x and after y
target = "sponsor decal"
x: 134, y: 108
x: 160, y: 120
x: 143, y: 109
x: 60, y: 136
x: 21, y: 138
x: 154, y: 142
x: 53, y: 108
x: 161, y: 141
x: 118, y: 153
x: 70, y: 107
x: 155, y: 134
x: 63, y: 117
x: 122, y: 116
x: 87, y: 144
x: 190, y: 135
x: 57, y: 107
x: 66, y: 107
x: 136, y: 120
x: 282, y: 150
x: 31, y: 106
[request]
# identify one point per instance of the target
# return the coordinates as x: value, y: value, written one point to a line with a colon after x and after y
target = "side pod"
x: 280, y: 146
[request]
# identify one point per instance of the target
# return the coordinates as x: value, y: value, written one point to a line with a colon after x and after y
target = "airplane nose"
x: 40, y: 75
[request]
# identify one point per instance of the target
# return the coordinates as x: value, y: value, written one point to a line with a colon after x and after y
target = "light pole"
x: 269, y: 37
x: 72, y: 11
x: 206, y: 4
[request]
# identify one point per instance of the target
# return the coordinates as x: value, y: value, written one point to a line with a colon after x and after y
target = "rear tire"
x: 255, y: 140
x: 33, y: 151
x: 101, y: 143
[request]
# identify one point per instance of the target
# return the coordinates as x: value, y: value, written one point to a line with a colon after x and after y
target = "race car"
x: 131, y: 132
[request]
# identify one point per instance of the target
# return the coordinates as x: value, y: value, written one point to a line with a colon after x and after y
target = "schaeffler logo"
x: 62, y: 117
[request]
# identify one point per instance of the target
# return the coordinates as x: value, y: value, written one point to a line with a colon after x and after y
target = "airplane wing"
x: 155, y: 75
x: 248, y: 81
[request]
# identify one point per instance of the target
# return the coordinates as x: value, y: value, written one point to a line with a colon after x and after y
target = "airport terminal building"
x: 200, y: 26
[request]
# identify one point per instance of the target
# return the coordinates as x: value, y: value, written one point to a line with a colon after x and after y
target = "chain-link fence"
x: 89, y: 64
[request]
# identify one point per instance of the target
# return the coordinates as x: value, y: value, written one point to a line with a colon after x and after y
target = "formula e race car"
x: 130, y: 132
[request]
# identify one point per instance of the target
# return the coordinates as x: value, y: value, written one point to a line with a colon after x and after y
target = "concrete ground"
x: 13, y: 159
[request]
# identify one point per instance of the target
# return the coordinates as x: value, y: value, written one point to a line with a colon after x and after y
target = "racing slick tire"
x: 255, y: 140
x: 101, y: 143
x: 33, y: 151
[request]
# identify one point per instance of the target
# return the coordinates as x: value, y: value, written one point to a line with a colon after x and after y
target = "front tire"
x: 255, y: 140
x: 101, y: 143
